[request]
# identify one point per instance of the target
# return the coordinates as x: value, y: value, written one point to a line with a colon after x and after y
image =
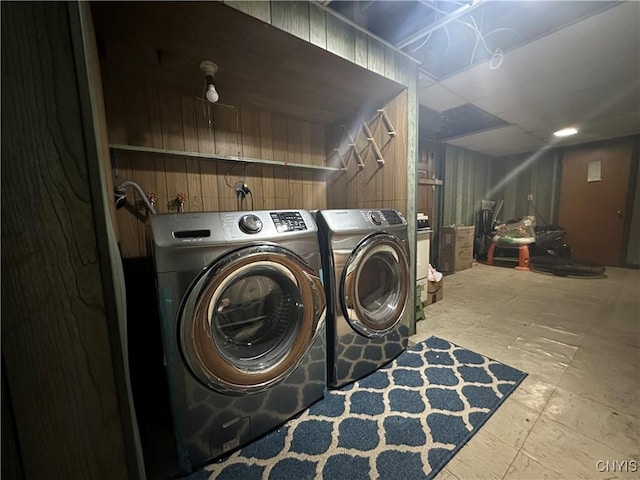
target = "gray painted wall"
x: 467, y: 181
x: 515, y: 177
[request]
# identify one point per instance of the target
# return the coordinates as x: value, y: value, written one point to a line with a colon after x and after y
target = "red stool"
x: 523, y: 254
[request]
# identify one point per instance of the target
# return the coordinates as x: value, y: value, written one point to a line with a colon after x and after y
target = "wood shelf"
x: 215, y: 156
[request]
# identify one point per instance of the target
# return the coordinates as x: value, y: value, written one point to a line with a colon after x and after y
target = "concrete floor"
x: 579, y: 341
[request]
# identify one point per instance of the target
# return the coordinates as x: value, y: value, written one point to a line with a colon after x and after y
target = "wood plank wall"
x: 373, y: 186
x: 155, y: 116
x: 321, y: 27
x: 55, y: 340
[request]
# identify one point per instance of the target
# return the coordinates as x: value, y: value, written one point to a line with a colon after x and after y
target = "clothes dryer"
x: 242, y: 310
x: 365, y: 256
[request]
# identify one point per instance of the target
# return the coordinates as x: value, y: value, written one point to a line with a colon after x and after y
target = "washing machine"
x: 365, y: 256
x: 242, y: 311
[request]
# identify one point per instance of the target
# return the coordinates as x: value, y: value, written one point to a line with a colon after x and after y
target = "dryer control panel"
x: 288, y: 221
x: 382, y: 217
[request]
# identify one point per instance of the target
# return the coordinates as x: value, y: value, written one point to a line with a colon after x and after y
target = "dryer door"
x: 375, y: 285
x: 250, y: 318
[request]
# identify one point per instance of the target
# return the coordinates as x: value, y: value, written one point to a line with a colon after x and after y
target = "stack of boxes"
x: 456, y: 244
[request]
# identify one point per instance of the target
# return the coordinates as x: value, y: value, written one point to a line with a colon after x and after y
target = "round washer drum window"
x: 378, y: 286
x: 255, y: 319
x: 375, y: 285
x: 250, y: 318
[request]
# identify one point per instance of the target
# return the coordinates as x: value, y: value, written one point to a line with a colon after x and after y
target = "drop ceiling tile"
x: 438, y: 98
x: 500, y: 141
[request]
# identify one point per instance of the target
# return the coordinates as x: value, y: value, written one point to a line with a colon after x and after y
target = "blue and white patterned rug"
x: 405, y: 421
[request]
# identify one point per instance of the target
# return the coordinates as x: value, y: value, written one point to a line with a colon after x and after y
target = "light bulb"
x: 211, y: 94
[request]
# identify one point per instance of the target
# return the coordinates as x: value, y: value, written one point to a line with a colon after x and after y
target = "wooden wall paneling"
x: 173, y: 138
x: 294, y: 141
x: 55, y: 340
x: 206, y: 144
x: 361, y: 49
x: 389, y: 62
x: 340, y: 38
x: 317, y: 26
x: 401, y: 188
x: 319, y: 157
x: 280, y: 138
x: 129, y: 225
x: 370, y: 177
x: 335, y: 181
x: 353, y: 180
x: 115, y: 108
x: 225, y: 120
x: 154, y: 101
x: 250, y: 142
x: 152, y: 176
x: 390, y: 148
x: 137, y: 114
x: 192, y: 165
x: 375, y: 56
x: 306, y: 157
x: 11, y: 457
x: 292, y: 17
x: 295, y: 155
x: 259, y: 9
x: 266, y: 152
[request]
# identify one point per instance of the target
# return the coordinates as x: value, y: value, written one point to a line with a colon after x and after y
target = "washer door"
x: 250, y: 318
x: 375, y: 285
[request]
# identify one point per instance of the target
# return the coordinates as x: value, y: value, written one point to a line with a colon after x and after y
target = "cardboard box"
x: 431, y: 292
x: 456, y: 248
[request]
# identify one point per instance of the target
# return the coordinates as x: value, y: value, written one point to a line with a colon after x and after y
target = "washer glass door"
x: 375, y: 285
x: 249, y: 320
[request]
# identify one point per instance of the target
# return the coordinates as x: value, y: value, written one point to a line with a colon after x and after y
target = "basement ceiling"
x: 520, y: 69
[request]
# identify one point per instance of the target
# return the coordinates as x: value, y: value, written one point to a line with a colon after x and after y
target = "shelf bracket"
x: 374, y: 145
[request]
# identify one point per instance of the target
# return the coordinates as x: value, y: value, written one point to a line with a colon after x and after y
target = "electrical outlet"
x: 530, y: 197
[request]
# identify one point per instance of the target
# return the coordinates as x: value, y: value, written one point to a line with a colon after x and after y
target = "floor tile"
x: 599, y: 422
x: 618, y: 393
x: 526, y: 468
x: 568, y: 452
x: 485, y: 457
x: 533, y: 393
x: 445, y: 474
x: 511, y: 423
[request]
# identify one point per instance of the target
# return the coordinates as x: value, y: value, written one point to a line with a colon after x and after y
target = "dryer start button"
x: 250, y: 224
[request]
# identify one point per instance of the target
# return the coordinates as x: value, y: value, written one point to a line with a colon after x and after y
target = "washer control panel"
x: 288, y: 221
x: 382, y: 217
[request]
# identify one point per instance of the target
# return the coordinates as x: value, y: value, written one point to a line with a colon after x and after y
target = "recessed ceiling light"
x: 566, y: 132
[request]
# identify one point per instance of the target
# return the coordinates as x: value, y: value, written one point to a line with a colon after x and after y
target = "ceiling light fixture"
x: 210, y: 69
x: 566, y: 132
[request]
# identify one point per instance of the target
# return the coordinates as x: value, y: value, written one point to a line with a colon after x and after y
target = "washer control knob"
x: 250, y: 224
x: 375, y: 218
